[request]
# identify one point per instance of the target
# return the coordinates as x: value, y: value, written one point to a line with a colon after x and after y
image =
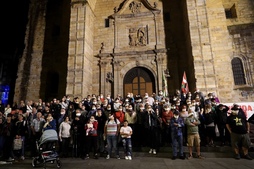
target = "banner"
x: 184, y: 87
x: 248, y: 107
x: 165, y: 85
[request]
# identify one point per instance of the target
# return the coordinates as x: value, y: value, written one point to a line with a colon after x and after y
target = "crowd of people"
x: 97, y: 126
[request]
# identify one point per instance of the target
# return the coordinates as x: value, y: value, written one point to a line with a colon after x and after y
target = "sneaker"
x: 151, y: 150
x: 10, y: 159
x: 247, y: 156
x: 190, y: 157
x: 174, y: 157
x: 22, y: 158
x: 129, y: 157
x: 107, y: 157
x: 117, y: 157
x: 87, y: 156
x: 126, y: 158
x: 96, y: 156
x: 237, y: 156
x: 154, y: 151
x: 200, y: 157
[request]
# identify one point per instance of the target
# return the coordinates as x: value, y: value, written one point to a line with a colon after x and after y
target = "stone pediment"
x: 134, y: 8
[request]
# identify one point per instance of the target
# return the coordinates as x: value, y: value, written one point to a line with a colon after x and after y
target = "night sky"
x: 14, y: 19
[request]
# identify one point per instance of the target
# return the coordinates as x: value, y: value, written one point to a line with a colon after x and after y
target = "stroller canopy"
x: 48, y: 135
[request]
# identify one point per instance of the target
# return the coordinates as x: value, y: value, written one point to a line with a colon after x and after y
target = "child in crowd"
x: 126, y: 132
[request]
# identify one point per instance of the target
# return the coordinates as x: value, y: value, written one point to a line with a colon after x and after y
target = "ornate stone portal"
x: 139, y: 48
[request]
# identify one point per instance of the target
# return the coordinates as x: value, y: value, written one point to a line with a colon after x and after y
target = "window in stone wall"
x: 106, y: 23
x: 238, y: 71
x: 231, y: 12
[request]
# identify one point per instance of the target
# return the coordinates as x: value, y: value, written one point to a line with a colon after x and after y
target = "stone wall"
x: 212, y: 48
x: 80, y: 59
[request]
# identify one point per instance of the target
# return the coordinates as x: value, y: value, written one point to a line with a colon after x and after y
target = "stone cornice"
x: 123, y: 6
x: 129, y: 53
x: 83, y: 2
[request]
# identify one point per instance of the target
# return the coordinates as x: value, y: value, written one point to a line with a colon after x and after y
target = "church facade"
x: 81, y: 47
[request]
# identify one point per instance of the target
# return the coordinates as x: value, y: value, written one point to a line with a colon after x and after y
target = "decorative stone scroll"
x: 135, y: 7
x: 138, y: 36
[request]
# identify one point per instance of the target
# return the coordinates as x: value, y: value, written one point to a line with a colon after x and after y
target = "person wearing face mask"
x: 166, y: 116
x: 62, y: 115
x: 77, y: 128
x: 92, y: 112
x: 210, y: 122
x: 120, y: 115
x: 131, y: 117
x: 116, y: 104
x: 141, y: 141
x: 177, y: 123
x: 193, y: 137
x: 222, y: 113
x: 239, y: 129
x: 151, y: 124
x: 159, y: 96
x: 108, y: 111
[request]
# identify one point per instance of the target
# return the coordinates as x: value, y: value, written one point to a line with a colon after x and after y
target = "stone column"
x: 29, y: 70
x: 80, y: 58
x: 210, y: 48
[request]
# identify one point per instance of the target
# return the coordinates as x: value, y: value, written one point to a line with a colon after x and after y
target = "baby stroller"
x: 46, y: 150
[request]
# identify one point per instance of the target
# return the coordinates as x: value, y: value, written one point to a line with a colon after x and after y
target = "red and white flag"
x: 184, y: 87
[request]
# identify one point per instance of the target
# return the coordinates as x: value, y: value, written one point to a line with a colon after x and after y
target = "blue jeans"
x: 112, y: 144
x: 177, y: 141
x: 127, y: 146
x: 23, y: 146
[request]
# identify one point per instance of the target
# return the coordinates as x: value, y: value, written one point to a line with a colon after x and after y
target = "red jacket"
x: 92, y: 131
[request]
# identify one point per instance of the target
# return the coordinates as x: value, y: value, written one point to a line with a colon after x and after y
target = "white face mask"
x: 78, y: 114
x: 93, y: 108
x: 167, y: 109
x: 120, y: 109
x: 108, y: 108
x: 130, y: 109
x: 234, y: 112
x: 94, y: 102
x: 62, y: 112
x: 128, y: 96
x: 176, y: 116
x: 183, y: 109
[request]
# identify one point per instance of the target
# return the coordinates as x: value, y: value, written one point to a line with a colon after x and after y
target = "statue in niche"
x: 135, y: 7
x: 138, y: 37
x: 142, y: 36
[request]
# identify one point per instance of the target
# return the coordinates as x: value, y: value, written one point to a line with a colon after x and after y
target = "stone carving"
x: 135, y: 7
x: 138, y: 37
x: 115, y: 10
x: 102, y: 47
x: 155, y: 4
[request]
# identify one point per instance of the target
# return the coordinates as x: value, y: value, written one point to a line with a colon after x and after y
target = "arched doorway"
x: 139, y: 80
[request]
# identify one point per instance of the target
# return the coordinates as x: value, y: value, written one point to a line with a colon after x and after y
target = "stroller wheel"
x: 34, y: 162
x: 58, y: 164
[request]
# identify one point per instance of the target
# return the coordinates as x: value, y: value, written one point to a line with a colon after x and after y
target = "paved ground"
x: 221, y: 159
